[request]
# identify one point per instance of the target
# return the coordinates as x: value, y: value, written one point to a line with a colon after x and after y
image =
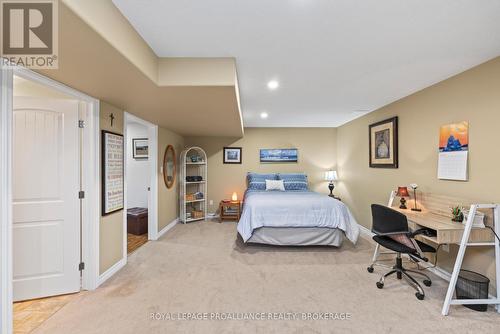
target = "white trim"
x: 6, y: 201
x: 365, y: 232
x: 91, y: 216
x: 168, y: 227
x: 153, y: 172
x: 112, y: 271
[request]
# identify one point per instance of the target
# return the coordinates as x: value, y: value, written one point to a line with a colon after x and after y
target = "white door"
x: 46, y: 208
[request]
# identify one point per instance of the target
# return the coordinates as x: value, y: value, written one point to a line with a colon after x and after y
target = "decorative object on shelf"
x: 403, y: 193
x: 457, y: 214
x: 193, y: 185
x: 195, y: 158
x: 454, y: 152
x: 384, y: 144
x: 140, y: 148
x: 234, y: 197
x: 195, y: 178
x: 331, y: 176
x: 232, y: 155
x: 112, y: 172
x: 279, y: 155
x: 169, y: 166
x: 478, y: 218
x: 414, y: 186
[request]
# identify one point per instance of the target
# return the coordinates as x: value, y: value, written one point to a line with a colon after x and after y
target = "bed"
x: 294, y: 217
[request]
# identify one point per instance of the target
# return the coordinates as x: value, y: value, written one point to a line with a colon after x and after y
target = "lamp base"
x: 403, y: 204
x: 331, y: 186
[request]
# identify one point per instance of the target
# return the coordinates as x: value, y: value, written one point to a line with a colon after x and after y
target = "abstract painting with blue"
x: 279, y: 155
x: 454, y: 137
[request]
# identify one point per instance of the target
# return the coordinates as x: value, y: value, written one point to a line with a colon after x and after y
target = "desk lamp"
x: 403, y: 192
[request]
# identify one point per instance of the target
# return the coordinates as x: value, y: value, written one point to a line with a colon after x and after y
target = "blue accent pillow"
x: 294, y: 181
x: 257, y: 181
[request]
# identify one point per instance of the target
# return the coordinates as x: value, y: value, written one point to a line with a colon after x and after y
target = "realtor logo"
x: 29, y: 33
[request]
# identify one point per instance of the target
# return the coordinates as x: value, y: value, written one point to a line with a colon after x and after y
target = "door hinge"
x: 81, y: 194
x: 81, y: 266
x: 81, y: 123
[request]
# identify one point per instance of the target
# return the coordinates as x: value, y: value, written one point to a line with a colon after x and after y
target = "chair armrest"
x: 421, y: 231
x: 390, y: 233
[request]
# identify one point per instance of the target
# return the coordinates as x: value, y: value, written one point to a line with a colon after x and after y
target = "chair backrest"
x: 387, y: 220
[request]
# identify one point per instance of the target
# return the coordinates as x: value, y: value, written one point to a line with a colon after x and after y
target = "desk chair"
x: 391, y: 231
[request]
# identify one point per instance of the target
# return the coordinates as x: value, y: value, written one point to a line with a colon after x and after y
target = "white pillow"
x: 275, y: 185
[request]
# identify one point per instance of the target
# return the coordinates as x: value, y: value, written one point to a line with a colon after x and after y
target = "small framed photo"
x: 232, y: 155
x: 384, y: 144
x: 140, y: 148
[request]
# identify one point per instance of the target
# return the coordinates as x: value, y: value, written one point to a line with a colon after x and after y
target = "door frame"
x: 90, y: 184
x: 153, y: 174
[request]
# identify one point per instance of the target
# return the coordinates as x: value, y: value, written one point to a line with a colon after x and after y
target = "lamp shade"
x: 331, y: 175
x: 403, y: 192
x: 234, y: 197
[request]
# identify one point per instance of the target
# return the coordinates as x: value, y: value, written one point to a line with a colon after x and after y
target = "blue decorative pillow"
x: 294, y: 181
x: 257, y: 181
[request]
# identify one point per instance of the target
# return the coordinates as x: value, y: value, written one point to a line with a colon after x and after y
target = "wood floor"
x: 135, y: 241
x: 30, y: 314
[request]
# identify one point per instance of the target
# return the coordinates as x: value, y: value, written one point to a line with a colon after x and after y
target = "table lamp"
x: 331, y: 176
x: 414, y: 186
x: 234, y: 197
x: 403, y: 192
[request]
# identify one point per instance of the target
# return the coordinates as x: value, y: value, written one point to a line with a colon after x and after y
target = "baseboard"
x: 167, y: 228
x: 112, y: 271
x: 365, y: 232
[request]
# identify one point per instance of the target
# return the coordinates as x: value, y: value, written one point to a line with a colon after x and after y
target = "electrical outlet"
x: 446, y: 248
x: 211, y: 202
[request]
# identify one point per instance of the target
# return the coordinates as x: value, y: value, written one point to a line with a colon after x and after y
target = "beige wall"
x: 168, y: 199
x: 110, y: 226
x: 473, y: 96
x: 317, y: 153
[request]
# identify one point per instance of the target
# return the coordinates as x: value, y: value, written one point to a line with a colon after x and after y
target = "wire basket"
x: 472, y: 285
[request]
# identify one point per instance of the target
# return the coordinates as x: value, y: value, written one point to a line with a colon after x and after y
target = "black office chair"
x: 391, y: 231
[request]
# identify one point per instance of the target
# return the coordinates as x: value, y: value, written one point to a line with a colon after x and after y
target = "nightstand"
x: 229, y: 210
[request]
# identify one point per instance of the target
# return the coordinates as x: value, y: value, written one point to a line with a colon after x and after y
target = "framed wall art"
x: 112, y: 172
x: 384, y: 144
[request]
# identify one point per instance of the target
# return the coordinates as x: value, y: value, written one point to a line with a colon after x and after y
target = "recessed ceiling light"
x: 263, y: 115
x: 273, y: 84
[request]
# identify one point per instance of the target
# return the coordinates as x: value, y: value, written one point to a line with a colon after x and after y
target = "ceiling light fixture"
x: 273, y: 84
x: 263, y: 115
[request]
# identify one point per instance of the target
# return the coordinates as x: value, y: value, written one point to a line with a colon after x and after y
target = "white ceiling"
x: 334, y: 59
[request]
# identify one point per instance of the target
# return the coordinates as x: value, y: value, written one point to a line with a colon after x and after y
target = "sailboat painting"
x: 454, y: 137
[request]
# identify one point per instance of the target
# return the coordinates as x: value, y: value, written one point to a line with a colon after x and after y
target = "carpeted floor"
x: 203, y: 267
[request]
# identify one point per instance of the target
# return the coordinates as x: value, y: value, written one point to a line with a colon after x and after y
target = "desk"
x: 447, y: 231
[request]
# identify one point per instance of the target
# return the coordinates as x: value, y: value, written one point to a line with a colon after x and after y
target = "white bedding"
x: 295, y: 209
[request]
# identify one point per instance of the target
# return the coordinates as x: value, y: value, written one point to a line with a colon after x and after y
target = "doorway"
x: 49, y: 219
x: 140, y: 182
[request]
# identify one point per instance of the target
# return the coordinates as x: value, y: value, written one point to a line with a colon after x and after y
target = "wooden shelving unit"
x: 193, y: 168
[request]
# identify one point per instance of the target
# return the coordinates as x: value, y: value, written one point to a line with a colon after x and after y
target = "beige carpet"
x: 202, y: 267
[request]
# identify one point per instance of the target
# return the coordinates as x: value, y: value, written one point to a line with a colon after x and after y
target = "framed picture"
x: 384, y: 144
x: 232, y: 155
x: 112, y: 172
x: 140, y: 148
x: 278, y: 155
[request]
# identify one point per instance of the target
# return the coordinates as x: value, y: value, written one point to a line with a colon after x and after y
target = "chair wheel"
x: 427, y: 282
x: 380, y: 285
x: 370, y: 269
x: 419, y: 296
